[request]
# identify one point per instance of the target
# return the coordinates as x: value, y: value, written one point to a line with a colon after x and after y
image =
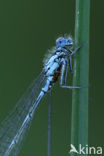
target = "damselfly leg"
x: 66, y: 71
x: 63, y: 77
x: 70, y: 65
x: 73, y: 52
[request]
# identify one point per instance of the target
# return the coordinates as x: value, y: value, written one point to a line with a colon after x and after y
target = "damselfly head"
x: 64, y: 42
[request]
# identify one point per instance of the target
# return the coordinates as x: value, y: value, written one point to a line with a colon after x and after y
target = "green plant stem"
x: 79, y: 131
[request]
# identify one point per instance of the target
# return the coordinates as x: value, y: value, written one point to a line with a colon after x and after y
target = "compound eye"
x: 68, y: 41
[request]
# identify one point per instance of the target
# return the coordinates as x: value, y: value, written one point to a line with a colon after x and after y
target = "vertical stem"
x: 49, y: 125
x: 79, y: 131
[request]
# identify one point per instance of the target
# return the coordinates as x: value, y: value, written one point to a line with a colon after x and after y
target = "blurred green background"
x: 27, y: 30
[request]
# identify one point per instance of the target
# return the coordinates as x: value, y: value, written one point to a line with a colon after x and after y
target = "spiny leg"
x: 73, y: 52
x: 64, y: 69
x: 63, y: 77
x: 69, y: 56
x: 70, y: 65
x: 71, y: 87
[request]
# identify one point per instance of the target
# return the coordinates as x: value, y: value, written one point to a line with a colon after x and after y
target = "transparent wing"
x: 11, y: 125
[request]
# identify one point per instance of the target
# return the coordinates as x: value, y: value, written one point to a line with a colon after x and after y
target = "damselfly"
x: 15, y: 126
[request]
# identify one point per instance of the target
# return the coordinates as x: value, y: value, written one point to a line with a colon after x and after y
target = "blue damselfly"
x: 16, y: 124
